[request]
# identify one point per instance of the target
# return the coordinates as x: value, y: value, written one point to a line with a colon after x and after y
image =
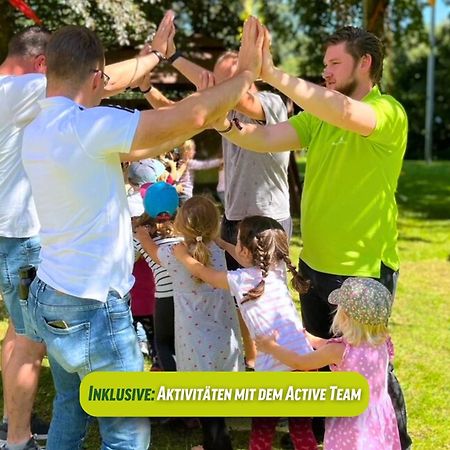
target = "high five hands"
x: 250, y: 52
x: 163, y: 38
x: 254, y: 53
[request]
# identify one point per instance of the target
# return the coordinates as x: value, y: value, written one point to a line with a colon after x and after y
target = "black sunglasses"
x: 105, y: 77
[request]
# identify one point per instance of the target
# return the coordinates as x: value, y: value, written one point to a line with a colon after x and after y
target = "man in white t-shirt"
x: 19, y: 227
x: 22, y: 83
x: 79, y: 303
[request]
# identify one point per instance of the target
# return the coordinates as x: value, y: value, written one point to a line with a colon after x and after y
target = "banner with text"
x: 224, y: 394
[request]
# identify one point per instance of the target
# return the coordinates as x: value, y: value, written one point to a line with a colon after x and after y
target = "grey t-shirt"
x: 257, y: 183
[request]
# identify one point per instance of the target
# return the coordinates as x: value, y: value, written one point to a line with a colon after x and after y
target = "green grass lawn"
x: 420, y: 322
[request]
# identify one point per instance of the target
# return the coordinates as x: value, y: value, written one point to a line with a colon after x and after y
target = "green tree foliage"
x: 409, y: 72
x: 117, y: 22
x: 210, y: 18
x: 298, y: 28
x: 302, y: 26
x: 130, y: 22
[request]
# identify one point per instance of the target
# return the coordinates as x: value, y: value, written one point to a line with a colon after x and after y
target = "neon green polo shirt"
x: 349, y: 212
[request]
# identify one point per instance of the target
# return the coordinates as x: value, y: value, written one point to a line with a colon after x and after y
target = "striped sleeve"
x: 163, y: 281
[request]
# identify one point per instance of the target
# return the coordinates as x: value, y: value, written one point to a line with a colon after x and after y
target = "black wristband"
x: 175, y: 56
x: 147, y: 90
x: 226, y: 129
x: 159, y: 55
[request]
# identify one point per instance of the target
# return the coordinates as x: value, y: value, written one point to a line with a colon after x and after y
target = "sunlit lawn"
x: 420, y: 323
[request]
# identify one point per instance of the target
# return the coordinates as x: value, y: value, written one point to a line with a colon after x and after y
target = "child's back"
x: 376, y: 428
x: 207, y: 334
x: 273, y: 311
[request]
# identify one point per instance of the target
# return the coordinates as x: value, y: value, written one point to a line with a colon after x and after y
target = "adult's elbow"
x: 198, y: 118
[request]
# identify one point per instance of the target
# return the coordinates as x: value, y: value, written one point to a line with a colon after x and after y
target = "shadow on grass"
x: 425, y: 189
x: 3, y: 312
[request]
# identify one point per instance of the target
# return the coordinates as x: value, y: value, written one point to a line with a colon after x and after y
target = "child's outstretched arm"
x: 147, y: 243
x: 328, y: 354
x: 227, y: 246
x: 231, y: 250
x: 209, y: 275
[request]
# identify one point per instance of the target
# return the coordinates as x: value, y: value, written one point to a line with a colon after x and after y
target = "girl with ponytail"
x: 207, y: 336
x: 260, y: 288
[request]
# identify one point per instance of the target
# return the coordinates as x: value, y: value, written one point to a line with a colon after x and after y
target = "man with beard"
x: 356, y: 139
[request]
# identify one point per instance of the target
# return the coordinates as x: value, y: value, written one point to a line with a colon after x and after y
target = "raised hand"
x: 141, y: 233
x: 165, y: 32
x: 171, y: 48
x: 250, y: 53
x: 267, y: 62
x: 206, y: 80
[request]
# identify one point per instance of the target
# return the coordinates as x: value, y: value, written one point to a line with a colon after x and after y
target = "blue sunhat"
x: 161, y: 198
x: 145, y: 171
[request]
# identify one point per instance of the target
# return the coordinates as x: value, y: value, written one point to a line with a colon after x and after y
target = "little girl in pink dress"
x: 364, y: 306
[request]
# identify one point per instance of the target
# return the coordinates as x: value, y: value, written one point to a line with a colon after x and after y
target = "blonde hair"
x: 189, y: 144
x: 198, y: 222
x: 226, y: 55
x: 357, y: 333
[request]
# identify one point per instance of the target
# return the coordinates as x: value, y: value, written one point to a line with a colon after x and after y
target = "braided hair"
x: 268, y: 244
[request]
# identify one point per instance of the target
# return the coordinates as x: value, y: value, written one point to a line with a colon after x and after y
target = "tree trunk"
x: 374, y: 15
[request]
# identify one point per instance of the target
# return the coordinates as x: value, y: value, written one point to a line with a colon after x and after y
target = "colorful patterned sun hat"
x: 364, y: 299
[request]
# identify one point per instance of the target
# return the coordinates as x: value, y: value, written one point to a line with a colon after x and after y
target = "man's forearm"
x: 249, y: 136
x: 157, y: 99
x: 153, y: 152
x: 328, y: 105
x: 189, y: 69
x: 248, y: 104
x: 191, y: 115
x: 123, y: 74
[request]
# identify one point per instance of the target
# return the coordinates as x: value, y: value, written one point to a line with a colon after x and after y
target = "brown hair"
x: 157, y: 227
x: 267, y: 241
x: 72, y: 53
x: 31, y: 41
x: 358, y: 43
x: 198, y: 222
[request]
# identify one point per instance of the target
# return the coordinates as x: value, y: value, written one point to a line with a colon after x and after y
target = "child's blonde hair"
x: 198, y: 222
x: 357, y: 333
x: 268, y: 244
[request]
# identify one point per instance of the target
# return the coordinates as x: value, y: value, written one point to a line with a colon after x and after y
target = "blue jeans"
x: 83, y: 336
x: 14, y: 253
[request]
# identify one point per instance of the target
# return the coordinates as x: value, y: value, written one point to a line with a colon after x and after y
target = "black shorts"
x: 317, y: 313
